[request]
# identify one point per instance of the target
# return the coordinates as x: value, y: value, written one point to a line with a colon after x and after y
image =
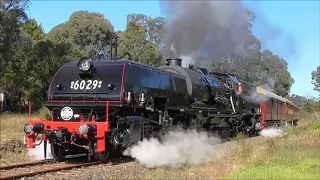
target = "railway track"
x: 17, y: 171
x: 11, y: 166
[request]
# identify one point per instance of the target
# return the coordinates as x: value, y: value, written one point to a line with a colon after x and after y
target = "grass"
x: 12, y: 148
x: 291, y: 162
x: 291, y: 156
x: 12, y: 126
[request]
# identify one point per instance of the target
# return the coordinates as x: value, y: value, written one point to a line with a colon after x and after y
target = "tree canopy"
x: 87, y: 32
x: 30, y: 57
x: 316, y: 79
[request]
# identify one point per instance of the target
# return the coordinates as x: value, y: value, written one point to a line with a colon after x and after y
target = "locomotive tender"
x: 102, y: 107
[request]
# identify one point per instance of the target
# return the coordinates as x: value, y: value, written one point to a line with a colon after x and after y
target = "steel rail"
x: 11, y: 166
x: 46, y: 170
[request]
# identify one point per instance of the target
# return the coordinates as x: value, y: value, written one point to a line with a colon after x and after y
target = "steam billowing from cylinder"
x: 213, y: 28
x: 175, y: 150
x: 38, y: 152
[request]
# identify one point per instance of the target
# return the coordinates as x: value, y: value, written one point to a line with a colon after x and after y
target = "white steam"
x: 38, y: 152
x: 176, y: 149
x: 253, y: 96
x: 186, y: 60
x: 271, y: 132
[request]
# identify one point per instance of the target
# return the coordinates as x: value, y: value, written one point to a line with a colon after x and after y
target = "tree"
x: 133, y: 45
x: 14, y: 44
x: 306, y: 103
x: 316, y: 79
x: 12, y: 15
x: 276, y: 73
x: 45, y: 58
x: 34, y: 30
x: 88, y: 32
x: 27, y: 57
x: 154, y: 27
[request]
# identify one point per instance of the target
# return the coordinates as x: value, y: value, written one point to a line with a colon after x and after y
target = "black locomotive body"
x: 247, y: 99
x: 102, y: 107
x: 121, y: 83
x: 205, y: 91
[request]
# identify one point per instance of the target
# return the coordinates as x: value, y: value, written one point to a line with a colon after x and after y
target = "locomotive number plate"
x: 85, y: 84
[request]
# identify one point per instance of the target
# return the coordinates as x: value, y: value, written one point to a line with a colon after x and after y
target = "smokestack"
x: 174, y: 61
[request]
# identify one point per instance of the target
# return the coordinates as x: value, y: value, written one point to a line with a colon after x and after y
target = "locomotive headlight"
x: 83, y: 129
x: 84, y: 64
x: 28, y: 128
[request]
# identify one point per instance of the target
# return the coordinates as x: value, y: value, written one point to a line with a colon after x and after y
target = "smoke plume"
x: 175, y: 150
x: 208, y: 32
x: 205, y: 27
x: 38, y: 152
x: 254, y: 97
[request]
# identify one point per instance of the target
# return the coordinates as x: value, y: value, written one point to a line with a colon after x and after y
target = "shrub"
x: 45, y: 112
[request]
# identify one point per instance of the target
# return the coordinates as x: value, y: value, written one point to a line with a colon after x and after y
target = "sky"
x: 292, y: 26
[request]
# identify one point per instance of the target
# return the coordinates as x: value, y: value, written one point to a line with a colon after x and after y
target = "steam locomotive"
x: 101, y: 107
